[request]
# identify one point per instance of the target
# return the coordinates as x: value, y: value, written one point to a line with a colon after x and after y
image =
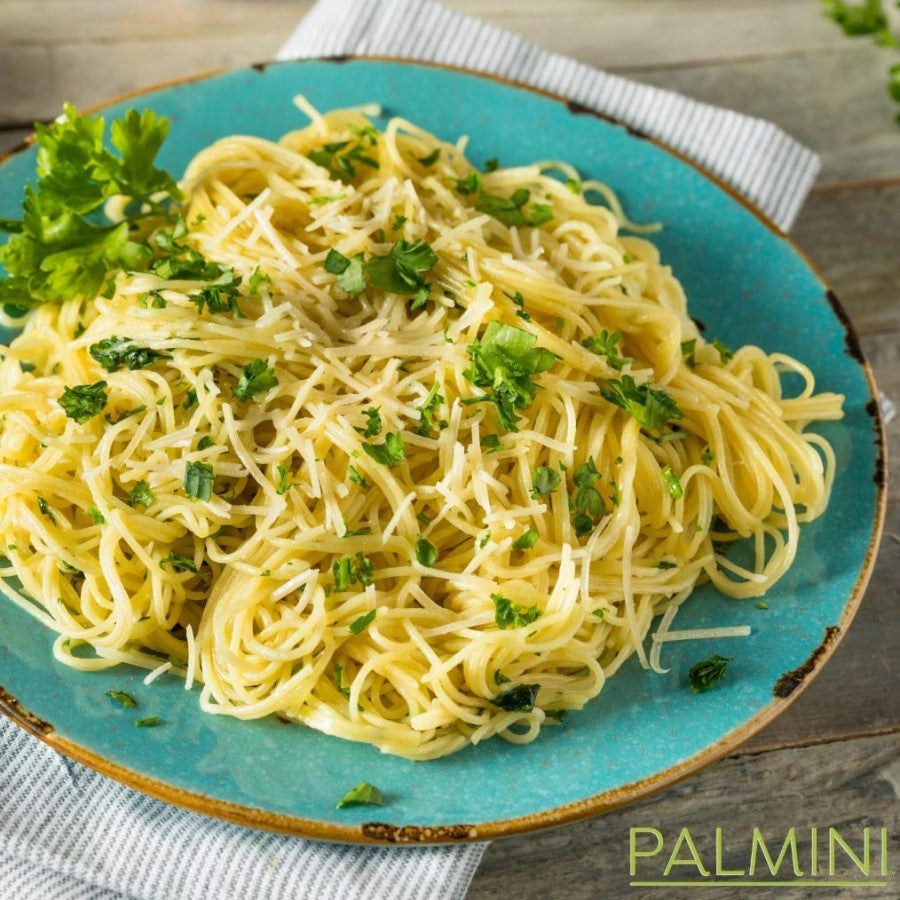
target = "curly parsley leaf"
x: 513, y: 615
x: 84, y: 401
x: 390, y: 453
x: 198, y: 480
x: 116, y: 352
x: 349, y: 271
x: 504, y: 360
x: 256, y: 377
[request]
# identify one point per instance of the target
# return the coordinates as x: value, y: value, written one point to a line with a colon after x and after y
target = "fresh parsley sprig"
x: 57, y: 250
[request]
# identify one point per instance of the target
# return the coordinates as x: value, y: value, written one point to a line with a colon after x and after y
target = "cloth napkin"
x: 67, y: 833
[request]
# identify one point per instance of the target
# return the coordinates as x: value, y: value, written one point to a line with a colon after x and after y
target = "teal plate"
x: 746, y: 283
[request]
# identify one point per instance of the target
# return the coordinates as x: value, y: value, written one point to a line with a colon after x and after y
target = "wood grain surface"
x: 832, y: 758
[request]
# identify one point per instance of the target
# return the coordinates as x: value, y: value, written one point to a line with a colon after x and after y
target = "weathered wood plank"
x: 12, y: 137
x: 856, y: 692
x: 851, y: 235
x: 846, y: 786
x: 608, y: 32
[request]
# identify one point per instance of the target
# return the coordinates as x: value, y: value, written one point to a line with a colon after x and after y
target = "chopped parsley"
x: 469, y: 185
x: 519, y: 301
x: 349, y: 271
x: 604, y: 344
x: 432, y: 157
x: 127, y: 414
x: 491, y: 443
x: 205, y: 442
x: 198, y: 480
x: 141, y: 495
x: 362, y: 794
x: 526, y: 540
x: 428, y: 410
x: 544, y: 480
x: 504, y: 360
x: 220, y: 295
x: 492, y: 164
x: 356, y: 478
x: 708, y: 457
x: 363, y: 622
x: 511, y: 210
x: 342, y: 157
x: 117, y: 352
x: 726, y: 354
x: 703, y: 675
x: 122, y: 698
x: 666, y: 564
x: 512, y: 615
x: 44, y: 509
x: 586, y: 503
x: 402, y: 271
x: 373, y: 423
x: 257, y: 280
x: 179, y: 563
x: 84, y: 401
x: 147, y: 722
x: 426, y: 552
x: 390, y: 453
x: 398, y: 223
x: 338, y: 670
x: 96, y: 515
x: 688, y: 349
x: 256, y: 377
x: 500, y: 678
x: 283, y: 480
x: 673, y: 484
x: 651, y: 407
x: 520, y: 698
x: 350, y: 570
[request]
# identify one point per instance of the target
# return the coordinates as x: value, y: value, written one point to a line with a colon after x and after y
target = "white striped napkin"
x: 67, y: 833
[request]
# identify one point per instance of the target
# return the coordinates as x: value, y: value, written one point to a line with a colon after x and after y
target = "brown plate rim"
x: 380, y: 832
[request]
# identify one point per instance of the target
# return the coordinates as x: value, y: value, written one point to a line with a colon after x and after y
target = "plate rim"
x: 596, y: 804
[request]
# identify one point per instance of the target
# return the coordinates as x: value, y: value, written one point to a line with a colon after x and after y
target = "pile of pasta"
x: 311, y: 502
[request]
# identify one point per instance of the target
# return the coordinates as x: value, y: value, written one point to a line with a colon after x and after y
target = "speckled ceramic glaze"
x: 745, y: 282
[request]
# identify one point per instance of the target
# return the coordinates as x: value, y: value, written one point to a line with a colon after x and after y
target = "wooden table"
x: 832, y: 759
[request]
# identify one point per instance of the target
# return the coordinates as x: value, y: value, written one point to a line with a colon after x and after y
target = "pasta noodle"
x: 479, y: 580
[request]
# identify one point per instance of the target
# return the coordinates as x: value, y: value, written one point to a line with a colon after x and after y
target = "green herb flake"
x: 511, y: 615
x: 544, y: 480
x: 398, y: 223
x: 284, y: 482
x: 362, y: 794
x: 469, y: 185
x: 500, y: 678
x: 504, y: 360
x: 725, y: 353
x: 492, y: 164
x: 356, y: 478
x: 350, y: 570
x: 256, y: 377
x: 373, y: 422
x: 491, y: 443
x: 96, y: 515
x: 651, y: 407
x: 44, y: 509
x: 426, y: 552
x: 761, y: 604
x: 708, y: 457
x: 179, y: 563
x: 198, y: 480
x: 604, y: 344
x: 338, y: 670
x: 350, y: 272
x: 526, y: 540
x: 360, y: 624
x: 205, y: 442
x: 520, y: 698
x: 431, y: 158
x: 147, y: 722
x: 122, y: 698
x: 390, y: 453
x: 666, y: 564
x: 510, y: 211
x: 115, y: 353
x: 673, y: 484
x: 688, y: 349
x: 573, y: 185
x: 402, y: 270
x: 257, y: 280
x: 428, y: 410
x: 141, y: 495
x: 703, y: 675
x: 84, y: 401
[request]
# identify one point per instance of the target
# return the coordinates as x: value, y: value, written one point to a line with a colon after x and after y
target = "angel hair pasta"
x: 409, y: 453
